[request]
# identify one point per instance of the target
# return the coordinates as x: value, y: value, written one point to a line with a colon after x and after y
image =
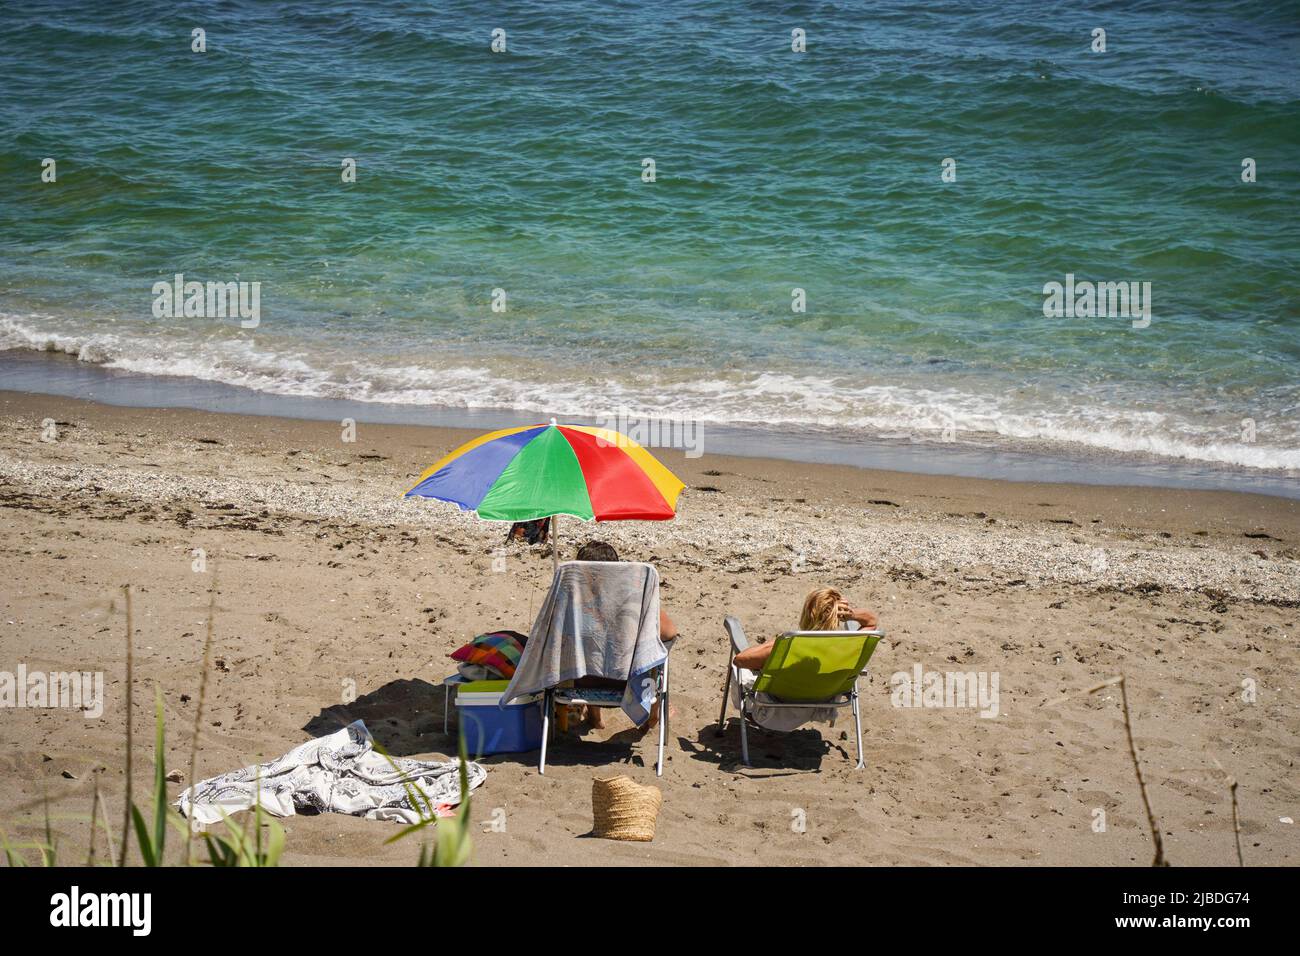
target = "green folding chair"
x: 806, y: 669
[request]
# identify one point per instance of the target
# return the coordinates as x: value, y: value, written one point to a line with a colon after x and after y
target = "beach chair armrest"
x: 737, y: 634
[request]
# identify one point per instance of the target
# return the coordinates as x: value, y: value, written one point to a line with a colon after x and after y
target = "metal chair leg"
x: 663, y: 721
x: 857, y: 723
x: 668, y: 727
x: 667, y: 691
x: 546, y: 729
x: 744, y: 735
x: 726, y: 690
x: 659, y: 766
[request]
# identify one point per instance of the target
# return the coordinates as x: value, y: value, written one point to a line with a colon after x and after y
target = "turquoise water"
x: 775, y: 170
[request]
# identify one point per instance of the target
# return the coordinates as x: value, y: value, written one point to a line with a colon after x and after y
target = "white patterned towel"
x: 341, y: 773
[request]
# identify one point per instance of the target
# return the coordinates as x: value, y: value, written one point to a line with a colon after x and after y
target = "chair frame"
x: 573, y: 695
x: 852, y: 699
x: 448, y: 684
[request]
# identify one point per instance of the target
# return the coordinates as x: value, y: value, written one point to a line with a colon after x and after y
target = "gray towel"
x: 600, y: 619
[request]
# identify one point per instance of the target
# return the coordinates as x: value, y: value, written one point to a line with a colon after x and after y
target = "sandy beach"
x: 326, y: 576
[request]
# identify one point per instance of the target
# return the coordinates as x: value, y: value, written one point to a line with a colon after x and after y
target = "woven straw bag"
x: 624, y: 810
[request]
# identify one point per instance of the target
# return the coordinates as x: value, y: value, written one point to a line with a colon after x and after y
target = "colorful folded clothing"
x: 498, y: 651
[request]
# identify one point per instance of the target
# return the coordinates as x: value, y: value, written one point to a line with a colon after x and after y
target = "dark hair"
x: 597, y: 551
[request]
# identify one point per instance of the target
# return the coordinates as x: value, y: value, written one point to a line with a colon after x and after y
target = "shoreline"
x: 1037, y: 461
x: 1045, y: 530
x: 326, y: 578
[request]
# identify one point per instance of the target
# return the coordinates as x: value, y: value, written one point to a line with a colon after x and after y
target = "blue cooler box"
x: 492, y: 729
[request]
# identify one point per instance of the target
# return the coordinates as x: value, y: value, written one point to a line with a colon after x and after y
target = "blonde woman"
x: 823, y: 610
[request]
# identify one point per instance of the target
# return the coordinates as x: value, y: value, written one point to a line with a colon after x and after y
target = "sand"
x: 327, y: 579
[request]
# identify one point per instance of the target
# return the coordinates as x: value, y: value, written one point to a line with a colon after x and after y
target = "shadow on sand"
x: 404, y: 716
x: 406, y: 719
x: 798, y: 751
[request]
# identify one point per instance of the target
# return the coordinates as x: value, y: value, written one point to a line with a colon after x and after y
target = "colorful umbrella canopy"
x: 518, y: 474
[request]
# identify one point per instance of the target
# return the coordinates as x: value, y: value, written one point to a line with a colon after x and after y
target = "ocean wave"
x: 781, y: 400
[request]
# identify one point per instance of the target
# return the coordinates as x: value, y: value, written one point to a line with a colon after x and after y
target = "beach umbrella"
x: 544, y: 471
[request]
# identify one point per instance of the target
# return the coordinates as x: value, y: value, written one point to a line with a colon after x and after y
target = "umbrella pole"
x: 555, y: 543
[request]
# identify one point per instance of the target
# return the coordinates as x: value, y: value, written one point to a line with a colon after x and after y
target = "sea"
x: 820, y: 230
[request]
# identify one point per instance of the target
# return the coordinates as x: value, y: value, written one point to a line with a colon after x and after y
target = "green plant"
x: 47, y: 848
x: 198, y: 711
x: 235, y: 849
x: 99, y: 818
x: 238, y: 848
x: 128, y: 804
x: 452, y: 843
x: 152, y: 845
x: 14, y: 856
x: 50, y: 850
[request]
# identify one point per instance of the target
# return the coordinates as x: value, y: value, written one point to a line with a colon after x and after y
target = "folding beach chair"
x: 569, y: 640
x: 807, y: 669
x: 606, y: 697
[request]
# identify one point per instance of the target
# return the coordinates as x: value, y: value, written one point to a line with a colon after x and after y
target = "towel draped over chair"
x: 599, y: 619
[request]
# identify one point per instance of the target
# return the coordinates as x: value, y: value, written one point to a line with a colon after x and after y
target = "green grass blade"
x: 454, y: 846
x: 12, y: 857
x: 142, y: 837
x: 274, y: 843
x: 49, y: 852
x: 159, y: 778
x: 407, y: 831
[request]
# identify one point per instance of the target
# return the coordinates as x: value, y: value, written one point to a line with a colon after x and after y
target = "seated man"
x: 600, y: 551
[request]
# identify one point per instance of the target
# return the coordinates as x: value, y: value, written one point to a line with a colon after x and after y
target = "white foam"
x: 783, y: 400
